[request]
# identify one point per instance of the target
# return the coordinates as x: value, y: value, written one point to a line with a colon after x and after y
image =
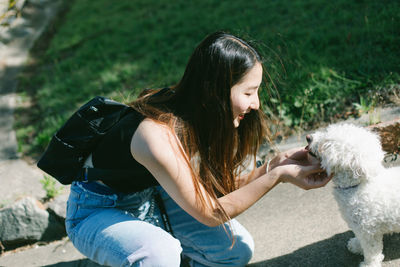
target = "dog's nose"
x: 309, y: 138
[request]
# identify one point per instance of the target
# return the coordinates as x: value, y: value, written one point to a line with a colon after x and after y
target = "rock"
x: 58, y: 206
x: 55, y: 229
x: 390, y: 135
x: 26, y: 221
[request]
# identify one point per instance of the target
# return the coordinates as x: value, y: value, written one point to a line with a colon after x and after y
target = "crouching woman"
x: 186, y: 146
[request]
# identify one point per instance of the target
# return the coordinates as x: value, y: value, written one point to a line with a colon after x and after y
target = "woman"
x: 186, y: 144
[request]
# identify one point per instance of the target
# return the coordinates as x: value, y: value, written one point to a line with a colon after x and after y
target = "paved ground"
x: 15, y: 43
x: 291, y: 227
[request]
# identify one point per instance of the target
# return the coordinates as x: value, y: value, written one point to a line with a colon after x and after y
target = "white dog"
x: 368, y: 194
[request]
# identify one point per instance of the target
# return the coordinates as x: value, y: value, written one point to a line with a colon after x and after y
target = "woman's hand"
x: 292, y: 156
x: 305, y: 177
x: 297, y: 167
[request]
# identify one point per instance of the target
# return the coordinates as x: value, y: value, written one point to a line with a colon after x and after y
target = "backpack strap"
x: 164, y: 214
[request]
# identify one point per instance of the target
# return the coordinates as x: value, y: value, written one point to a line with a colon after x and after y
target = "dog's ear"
x: 340, y: 157
x: 337, y: 157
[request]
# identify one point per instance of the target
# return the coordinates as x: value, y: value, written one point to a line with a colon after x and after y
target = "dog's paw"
x: 354, y: 246
x: 363, y: 264
x: 373, y: 262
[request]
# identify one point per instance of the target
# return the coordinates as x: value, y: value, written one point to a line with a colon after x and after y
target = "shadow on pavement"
x: 330, y: 252
x: 75, y: 263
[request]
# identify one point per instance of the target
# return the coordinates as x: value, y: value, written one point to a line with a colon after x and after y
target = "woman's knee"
x: 243, y: 249
x: 237, y: 254
x: 114, y: 238
x: 166, y: 252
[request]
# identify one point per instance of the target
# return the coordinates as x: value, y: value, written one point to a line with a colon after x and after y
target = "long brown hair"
x: 198, y: 109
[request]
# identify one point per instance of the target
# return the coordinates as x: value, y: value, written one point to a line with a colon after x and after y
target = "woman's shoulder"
x: 150, y: 129
x: 152, y: 139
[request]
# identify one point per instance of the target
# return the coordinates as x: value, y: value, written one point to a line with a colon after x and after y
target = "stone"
x: 26, y: 221
x: 390, y: 135
x: 23, y: 222
x: 58, y: 206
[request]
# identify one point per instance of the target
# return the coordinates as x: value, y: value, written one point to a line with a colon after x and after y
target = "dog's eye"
x: 312, y: 154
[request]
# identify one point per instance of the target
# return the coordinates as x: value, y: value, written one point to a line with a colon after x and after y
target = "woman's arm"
x: 244, y: 179
x: 293, y: 166
x: 157, y: 149
x: 306, y: 177
x: 294, y: 156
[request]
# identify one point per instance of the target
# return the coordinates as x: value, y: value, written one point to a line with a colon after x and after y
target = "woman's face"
x: 244, y: 94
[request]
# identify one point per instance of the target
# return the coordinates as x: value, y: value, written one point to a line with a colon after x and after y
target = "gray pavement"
x: 17, y: 177
x: 290, y: 226
x: 15, y: 43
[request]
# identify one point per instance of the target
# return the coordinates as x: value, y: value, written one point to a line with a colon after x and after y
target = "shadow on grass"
x: 330, y: 252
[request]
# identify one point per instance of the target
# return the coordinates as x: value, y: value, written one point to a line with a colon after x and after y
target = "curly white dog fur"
x: 368, y: 194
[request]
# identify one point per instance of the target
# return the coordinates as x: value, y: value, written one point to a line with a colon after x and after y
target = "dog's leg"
x: 372, y: 246
x: 354, y: 246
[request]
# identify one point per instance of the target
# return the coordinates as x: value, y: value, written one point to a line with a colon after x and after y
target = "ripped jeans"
x: 115, y: 229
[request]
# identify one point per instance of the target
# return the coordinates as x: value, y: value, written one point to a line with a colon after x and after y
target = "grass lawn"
x: 321, y: 56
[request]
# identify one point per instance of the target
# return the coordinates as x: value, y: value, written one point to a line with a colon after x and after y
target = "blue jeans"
x: 117, y: 229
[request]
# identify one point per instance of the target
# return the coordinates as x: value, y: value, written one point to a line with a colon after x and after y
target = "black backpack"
x: 78, y: 137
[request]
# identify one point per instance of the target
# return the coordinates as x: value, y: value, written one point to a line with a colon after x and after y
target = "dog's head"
x: 349, y: 151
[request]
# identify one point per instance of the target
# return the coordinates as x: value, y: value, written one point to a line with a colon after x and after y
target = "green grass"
x: 321, y: 56
x: 51, y: 188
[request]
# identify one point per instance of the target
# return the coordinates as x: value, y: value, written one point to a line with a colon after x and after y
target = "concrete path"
x: 16, y: 176
x: 15, y: 43
x: 290, y: 226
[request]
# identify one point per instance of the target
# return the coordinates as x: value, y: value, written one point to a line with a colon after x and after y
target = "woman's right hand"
x: 295, y: 166
x: 305, y: 177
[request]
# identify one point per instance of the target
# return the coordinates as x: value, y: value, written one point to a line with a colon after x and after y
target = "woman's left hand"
x: 298, y: 156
